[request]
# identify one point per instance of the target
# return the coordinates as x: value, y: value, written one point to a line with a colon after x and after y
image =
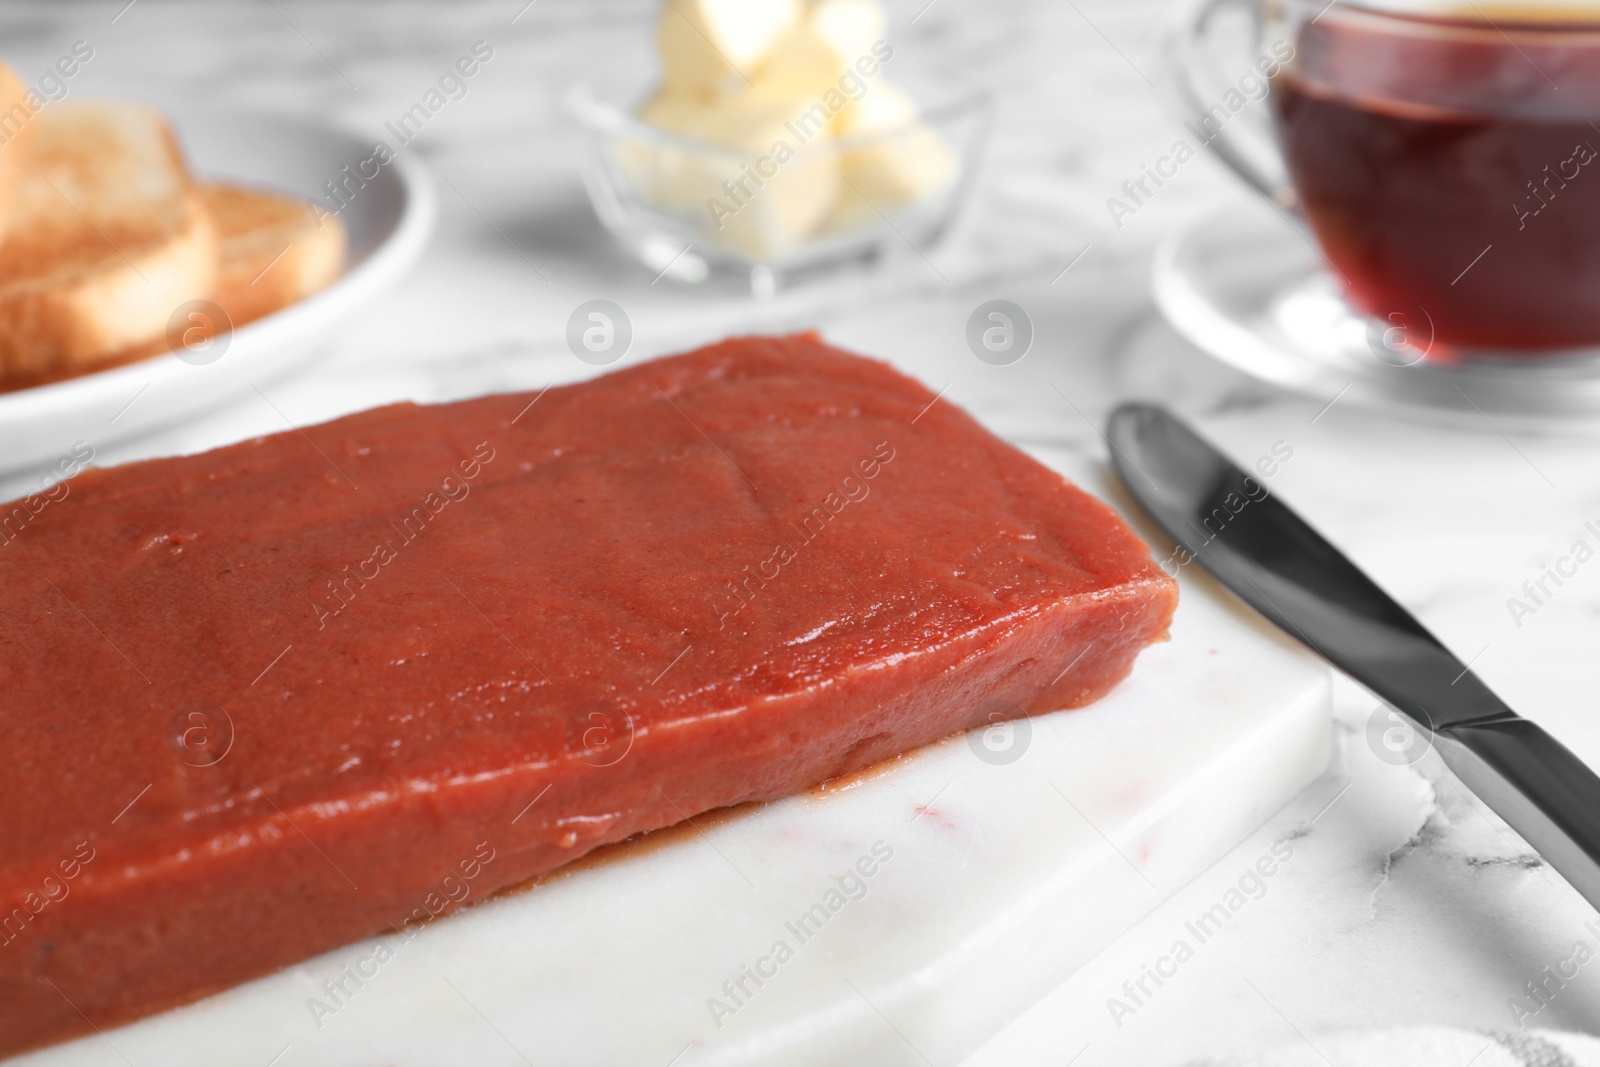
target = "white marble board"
x: 989, y: 884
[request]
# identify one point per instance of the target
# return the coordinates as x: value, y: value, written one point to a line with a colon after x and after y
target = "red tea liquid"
x: 1452, y: 176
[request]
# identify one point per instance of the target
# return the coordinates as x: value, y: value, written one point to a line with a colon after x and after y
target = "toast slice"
x: 108, y: 238
x: 273, y: 250
x: 16, y: 130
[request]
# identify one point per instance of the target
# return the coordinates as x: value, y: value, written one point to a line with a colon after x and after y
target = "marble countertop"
x: 1406, y: 901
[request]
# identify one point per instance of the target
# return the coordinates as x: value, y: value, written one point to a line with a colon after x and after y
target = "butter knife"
x: 1237, y: 529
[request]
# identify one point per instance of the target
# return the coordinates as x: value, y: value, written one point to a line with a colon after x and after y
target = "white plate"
x: 1246, y: 286
x: 388, y: 222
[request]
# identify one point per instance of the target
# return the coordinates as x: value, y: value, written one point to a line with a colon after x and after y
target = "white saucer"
x: 388, y: 222
x: 1249, y: 288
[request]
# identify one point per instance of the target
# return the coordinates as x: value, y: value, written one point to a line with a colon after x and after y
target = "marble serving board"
x: 899, y: 917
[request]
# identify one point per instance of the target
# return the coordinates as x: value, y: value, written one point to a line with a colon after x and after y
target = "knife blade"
x: 1230, y: 523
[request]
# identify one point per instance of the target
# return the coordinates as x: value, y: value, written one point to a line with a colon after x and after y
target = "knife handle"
x: 1534, y: 782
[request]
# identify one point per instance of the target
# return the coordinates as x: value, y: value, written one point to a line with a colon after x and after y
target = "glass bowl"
x: 690, y: 209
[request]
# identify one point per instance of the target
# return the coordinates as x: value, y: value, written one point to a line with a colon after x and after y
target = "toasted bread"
x: 273, y: 250
x: 16, y: 130
x: 108, y: 238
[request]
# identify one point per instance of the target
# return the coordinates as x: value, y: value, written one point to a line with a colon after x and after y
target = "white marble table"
x: 1406, y: 901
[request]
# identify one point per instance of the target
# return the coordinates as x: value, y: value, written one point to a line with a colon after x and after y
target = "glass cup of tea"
x: 1445, y: 158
